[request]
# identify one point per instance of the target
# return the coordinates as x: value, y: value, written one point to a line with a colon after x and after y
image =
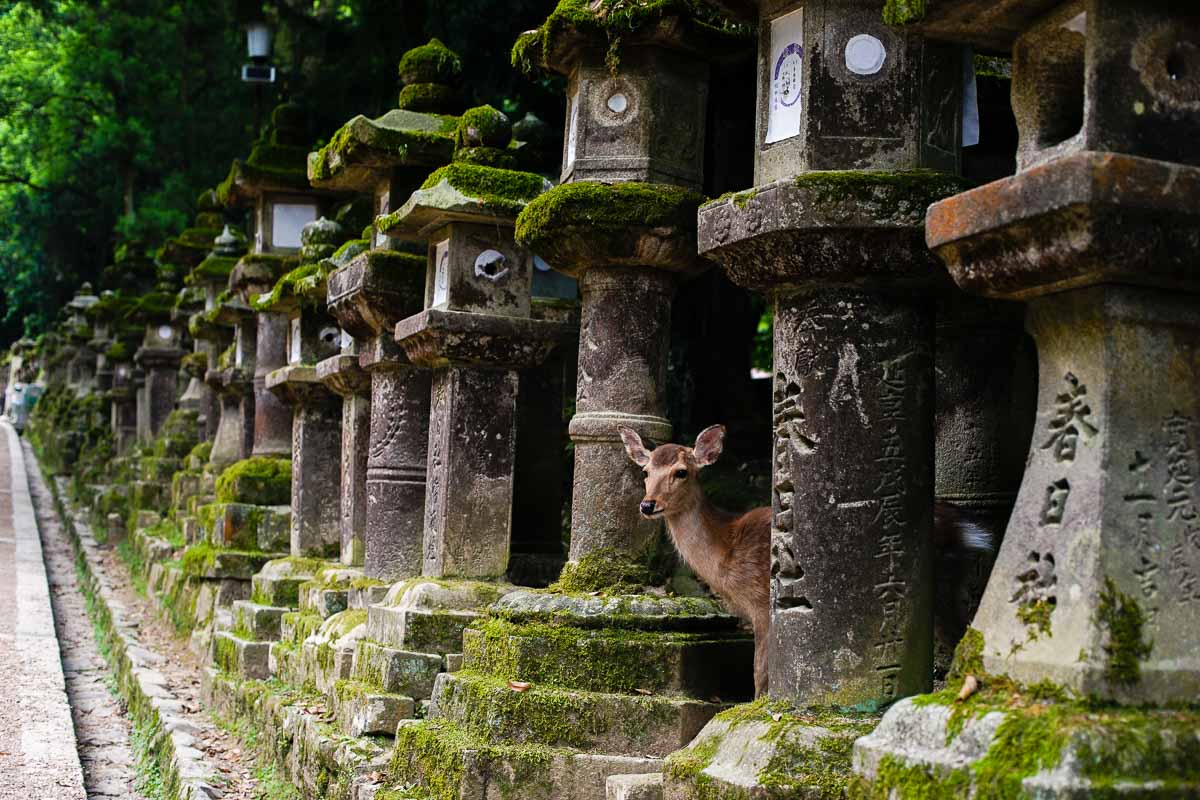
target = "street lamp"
x: 258, y: 46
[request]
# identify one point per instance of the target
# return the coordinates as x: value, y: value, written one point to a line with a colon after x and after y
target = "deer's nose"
x: 647, y: 507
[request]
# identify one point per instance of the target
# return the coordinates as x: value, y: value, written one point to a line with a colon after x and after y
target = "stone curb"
x: 144, y: 689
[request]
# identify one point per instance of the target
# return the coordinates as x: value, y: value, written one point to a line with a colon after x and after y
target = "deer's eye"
x: 681, y: 473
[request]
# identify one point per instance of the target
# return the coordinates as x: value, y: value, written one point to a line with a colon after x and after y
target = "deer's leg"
x: 760, y: 658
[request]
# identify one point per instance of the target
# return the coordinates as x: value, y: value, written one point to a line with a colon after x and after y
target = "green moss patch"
x: 498, y: 187
x: 1123, y: 619
x: 430, y: 63
x: 258, y: 481
x: 612, y: 207
x: 608, y: 21
x: 903, y: 12
x: 214, y: 269
x: 606, y: 570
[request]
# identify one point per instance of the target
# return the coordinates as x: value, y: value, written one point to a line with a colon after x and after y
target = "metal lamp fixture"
x: 258, y: 46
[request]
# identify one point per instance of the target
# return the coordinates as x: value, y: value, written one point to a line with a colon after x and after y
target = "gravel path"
x: 103, y: 731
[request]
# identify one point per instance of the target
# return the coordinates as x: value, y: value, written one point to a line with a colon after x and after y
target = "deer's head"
x: 672, y: 470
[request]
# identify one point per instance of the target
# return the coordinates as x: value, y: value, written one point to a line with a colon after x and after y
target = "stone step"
x: 647, y: 786
x: 278, y: 582
x: 329, y: 590
x: 199, y: 501
x: 193, y: 531
x: 327, y: 655
x: 704, y: 665
x: 148, y: 494
x: 615, y: 724
x: 257, y: 622
x: 436, y: 752
x: 425, y: 616
x: 296, y: 626
x: 363, y: 710
x: 239, y: 526
x: 396, y: 671
x: 159, y: 469
x: 184, y: 484
x: 241, y: 657
x: 206, y: 561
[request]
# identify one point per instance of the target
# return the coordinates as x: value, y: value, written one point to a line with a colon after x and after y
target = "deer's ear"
x: 633, y: 446
x: 709, y: 444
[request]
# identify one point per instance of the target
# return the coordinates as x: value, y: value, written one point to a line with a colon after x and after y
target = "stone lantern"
x: 475, y: 333
x: 316, y: 412
x: 82, y: 364
x: 101, y: 315
x: 158, y: 356
x: 273, y: 182
x: 385, y: 400
x: 1093, y: 593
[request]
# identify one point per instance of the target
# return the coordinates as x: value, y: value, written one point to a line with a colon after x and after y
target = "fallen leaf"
x: 970, y: 686
x: 519, y: 686
x: 643, y: 691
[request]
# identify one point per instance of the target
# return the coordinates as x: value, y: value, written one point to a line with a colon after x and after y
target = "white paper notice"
x: 294, y: 341
x: 441, y: 274
x: 572, y: 133
x: 787, y: 71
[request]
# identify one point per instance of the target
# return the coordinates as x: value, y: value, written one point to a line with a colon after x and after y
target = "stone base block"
x: 295, y: 627
x: 205, y: 561
x: 145, y: 518
x: 363, y: 710
x: 240, y: 657
x: 159, y: 469
x: 323, y: 600
x: 256, y: 622
x: 931, y: 746
x: 193, y: 531
x: 367, y: 592
x: 426, y: 617
x: 767, y: 751
x: 438, y: 753
x: 240, y: 526
x: 149, y: 494
x: 396, y: 671
x: 704, y: 665
x: 615, y: 724
x: 634, y: 787
x: 327, y: 655
x: 199, y: 501
x: 278, y: 582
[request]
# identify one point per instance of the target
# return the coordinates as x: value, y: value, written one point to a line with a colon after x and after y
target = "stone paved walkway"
x: 101, y: 726
x: 38, y: 757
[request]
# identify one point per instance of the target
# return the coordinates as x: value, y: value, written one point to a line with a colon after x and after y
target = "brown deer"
x: 732, y: 552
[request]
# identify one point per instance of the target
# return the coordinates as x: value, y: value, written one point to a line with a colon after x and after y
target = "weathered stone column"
x: 1092, y: 596
x: 235, y: 369
x: 842, y: 257
x: 389, y: 157
x: 343, y: 375
x: 475, y: 333
x: 81, y: 361
x: 316, y: 412
x: 124, y: 406
x: 212, y: 330
x: 159, y: 356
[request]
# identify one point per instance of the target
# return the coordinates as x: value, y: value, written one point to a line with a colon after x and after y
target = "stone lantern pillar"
x: 475, y: 333
x: 124, y: 406
x: 383, y: 464
x: 1093, y: 595
x: 273, y: 182
x: 842, y: 258
x: 316, y: 411
x: 626, y: 243
x: 211, y: 338
x: 81, y: 367
x: 159, y: 356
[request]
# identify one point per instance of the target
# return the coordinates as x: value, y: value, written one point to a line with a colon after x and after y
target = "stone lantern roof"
x: 305, y: 286
x: 420, y: 133
x: 225, y: 250
x: 695, y: 27
x: 276, y: 162
x: 984, y: 24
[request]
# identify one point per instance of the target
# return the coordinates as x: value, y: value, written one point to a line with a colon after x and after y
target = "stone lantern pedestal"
x: 343, y: 376
x: 124, y: 407
x: 1087, y: 629
x: 81, y: 360
x: 159, y: 355
x: 233, y: 376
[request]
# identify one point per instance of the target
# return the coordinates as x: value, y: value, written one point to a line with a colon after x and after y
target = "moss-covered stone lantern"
x: 388, y: 157
x: 229, y: 325
x: 1087, y: 631
x: 81, y: 363
x: 274, y: 182
x: 475, y: 333
x: 313, y: 335
x: 159, y: 355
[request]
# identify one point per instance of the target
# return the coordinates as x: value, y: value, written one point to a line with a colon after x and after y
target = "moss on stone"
x: 257, y: 480
x: 198, y: 558
x: 903, y: 12
x: 298, y: 285
x: 610, y: 20
x: 201, y: 452
x: 401, y: 136
x: 1035, y: 615
x: 119, y: 351
x: 1123, y: 619
x: 430, y: 63
x: 213, y: 269
x: 428, y: 97
x: 606, y: 206
x: 499, y: 187
x: 483, y: 126
x: 606, y: 570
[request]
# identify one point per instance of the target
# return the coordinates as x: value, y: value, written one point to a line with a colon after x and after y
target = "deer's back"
x: 744, y: 572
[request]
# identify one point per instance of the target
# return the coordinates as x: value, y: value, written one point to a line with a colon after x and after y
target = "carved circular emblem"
x: 786, y: 80
x: 754, y: 215
x: 491, y: 264
x: 865, y: 54
x: 617, y: 103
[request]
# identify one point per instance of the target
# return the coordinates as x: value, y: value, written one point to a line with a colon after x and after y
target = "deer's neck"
x: 701, y: 534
